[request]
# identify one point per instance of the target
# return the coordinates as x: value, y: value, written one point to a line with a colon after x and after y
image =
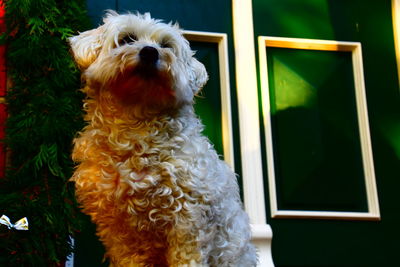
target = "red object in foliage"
x: 3, y: 86
x: 3, y: 77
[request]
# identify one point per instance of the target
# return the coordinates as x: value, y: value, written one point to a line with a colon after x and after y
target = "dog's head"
x: 139, y: 61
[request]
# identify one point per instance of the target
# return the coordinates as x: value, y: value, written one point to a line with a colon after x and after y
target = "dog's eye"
x: 166, y: 44
x: 129, y: 38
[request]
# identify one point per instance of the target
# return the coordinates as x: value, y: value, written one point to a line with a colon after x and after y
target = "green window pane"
x: 208, y: 102
x: 317, y: 150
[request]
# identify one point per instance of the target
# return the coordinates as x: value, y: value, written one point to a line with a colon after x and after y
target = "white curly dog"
x: 149, y: 179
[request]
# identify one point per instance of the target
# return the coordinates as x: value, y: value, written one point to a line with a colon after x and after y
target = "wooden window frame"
x: 363, y: 125
x: 396, y: 33
x: 221, y: 40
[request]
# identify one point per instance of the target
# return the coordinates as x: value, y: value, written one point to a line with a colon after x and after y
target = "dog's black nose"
x: 148, y: 55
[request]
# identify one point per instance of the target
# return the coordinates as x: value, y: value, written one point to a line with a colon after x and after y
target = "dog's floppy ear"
x: 86, y: 47
x: 200, y: 76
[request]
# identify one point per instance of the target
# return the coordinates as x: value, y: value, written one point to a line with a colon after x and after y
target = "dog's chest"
x: 154, y: 178
x: 155, y: 172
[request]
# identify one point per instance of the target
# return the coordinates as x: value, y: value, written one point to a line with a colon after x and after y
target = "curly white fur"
x: 149, y: 179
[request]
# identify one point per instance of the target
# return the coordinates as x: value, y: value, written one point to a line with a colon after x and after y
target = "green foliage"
x: 44, y: 108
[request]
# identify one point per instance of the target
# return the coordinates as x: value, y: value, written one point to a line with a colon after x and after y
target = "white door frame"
x: 249, y: 122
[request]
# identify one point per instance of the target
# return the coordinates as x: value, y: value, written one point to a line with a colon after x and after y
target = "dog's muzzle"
x: 148, y: 55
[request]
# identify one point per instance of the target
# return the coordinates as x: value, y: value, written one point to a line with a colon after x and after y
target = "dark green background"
x: 303, y: 242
